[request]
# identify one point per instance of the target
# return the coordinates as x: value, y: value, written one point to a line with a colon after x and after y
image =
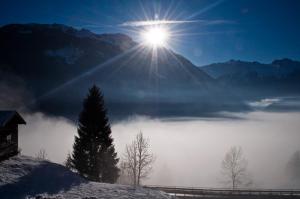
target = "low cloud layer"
x: 55, y: 135
x: 189, y: 151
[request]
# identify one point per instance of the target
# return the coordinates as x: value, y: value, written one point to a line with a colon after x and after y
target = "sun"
x: 155, y: 36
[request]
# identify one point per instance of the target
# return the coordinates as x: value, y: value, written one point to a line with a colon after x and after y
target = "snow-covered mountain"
x: 27, y: 177
x: 39, y: 52
x: 278, y: 68
x: 57, y: 64
x: 134, y: 78
x: 281, y: 77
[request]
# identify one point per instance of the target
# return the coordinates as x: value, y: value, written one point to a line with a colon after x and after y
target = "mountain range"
x: 56, y: 64
x: 281, y: 77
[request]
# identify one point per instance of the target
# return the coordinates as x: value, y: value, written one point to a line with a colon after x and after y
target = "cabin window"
x: 8, y: 138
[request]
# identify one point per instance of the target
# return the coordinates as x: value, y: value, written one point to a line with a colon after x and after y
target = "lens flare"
x: 155, y: 36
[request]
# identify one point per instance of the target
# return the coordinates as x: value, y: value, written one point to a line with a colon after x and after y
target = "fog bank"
x: 189, y: 151
x: 53, y: 134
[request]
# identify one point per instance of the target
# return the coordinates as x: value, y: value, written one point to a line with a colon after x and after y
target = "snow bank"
x: 26, y: 177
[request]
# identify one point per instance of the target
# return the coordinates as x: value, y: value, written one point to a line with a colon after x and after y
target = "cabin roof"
x: 10, y: 116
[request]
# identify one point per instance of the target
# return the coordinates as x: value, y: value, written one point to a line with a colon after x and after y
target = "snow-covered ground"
x: 27, y: 177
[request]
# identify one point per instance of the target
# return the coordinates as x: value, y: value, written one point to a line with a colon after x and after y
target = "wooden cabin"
x: 9, y: 121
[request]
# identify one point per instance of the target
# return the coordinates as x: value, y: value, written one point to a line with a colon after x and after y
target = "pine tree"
x: 94, y: 155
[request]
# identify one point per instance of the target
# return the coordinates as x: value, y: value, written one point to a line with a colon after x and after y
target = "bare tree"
x: 138, y: 160
x: 41, y: 155
x: 124, y: 174
x: 234, y: 168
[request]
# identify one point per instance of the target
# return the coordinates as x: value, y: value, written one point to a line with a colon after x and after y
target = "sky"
x: 213, y: 31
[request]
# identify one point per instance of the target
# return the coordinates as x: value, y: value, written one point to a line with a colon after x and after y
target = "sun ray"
x: 79, y: 77
x: 132, y: 56
x: 163, y: 33
x: 184, y: 67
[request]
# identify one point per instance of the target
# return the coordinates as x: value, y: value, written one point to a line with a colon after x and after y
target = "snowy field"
x: 26, y: 177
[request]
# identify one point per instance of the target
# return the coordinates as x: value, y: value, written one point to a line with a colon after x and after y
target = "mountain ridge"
x: 236, y: 66
x: 53, y: 61
x: 58, y: 63
x: 280, y: 77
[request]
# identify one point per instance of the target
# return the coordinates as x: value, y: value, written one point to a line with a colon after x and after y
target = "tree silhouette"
x: 94, y: 155
x: 138, y: 160
x: 234, y: 168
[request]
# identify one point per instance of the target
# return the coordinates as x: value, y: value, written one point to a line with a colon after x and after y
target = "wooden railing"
x: 187, y: 192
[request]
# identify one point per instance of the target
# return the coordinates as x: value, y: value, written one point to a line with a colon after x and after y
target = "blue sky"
x: 252, y: 30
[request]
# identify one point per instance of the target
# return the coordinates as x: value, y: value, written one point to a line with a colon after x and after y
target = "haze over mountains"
x: 281, y: 77
x: 56, y: 64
